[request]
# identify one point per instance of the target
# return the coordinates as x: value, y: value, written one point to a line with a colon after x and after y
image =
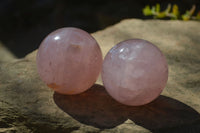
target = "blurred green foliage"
x: 171, y: 12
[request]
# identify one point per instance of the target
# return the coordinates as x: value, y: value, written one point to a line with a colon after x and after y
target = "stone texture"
x: 5, y: 54
x: 28, y: 105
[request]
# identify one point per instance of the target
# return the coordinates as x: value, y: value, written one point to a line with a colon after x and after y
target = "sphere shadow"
x: 95, y: 107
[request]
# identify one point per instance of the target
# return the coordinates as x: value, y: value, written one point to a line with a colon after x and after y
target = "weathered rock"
x: 5, y: 54
x: 28, y: 105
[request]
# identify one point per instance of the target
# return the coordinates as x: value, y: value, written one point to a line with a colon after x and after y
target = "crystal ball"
x: 134, y: 72
x: 69, y: 60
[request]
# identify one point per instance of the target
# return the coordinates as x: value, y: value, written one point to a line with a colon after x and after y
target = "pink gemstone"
x: 69, y: 60
x: 135, y: 72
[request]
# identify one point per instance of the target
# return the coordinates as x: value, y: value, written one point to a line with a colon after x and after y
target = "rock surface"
x: 5, y: 54
x: 28, y: 105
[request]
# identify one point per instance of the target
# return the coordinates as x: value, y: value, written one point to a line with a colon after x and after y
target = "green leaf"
x: 153, y: 10
x: 147, y: 11
x: 192, y: 10
x: 198, y: 16
x: 168, y: 9
x: 186, y: 16
x: 157, y: 8
x: 161, y: 15
x: 175, y: 11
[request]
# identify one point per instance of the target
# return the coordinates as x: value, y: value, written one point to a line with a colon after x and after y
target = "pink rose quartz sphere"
x: 69, y: 60
x: 134, y: 72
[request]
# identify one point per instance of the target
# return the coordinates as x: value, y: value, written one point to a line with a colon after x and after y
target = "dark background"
x: 24, y: 23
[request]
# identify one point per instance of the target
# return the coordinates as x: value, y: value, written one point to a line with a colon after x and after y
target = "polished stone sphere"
x: 134, y: 72
x: 69, y: 60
